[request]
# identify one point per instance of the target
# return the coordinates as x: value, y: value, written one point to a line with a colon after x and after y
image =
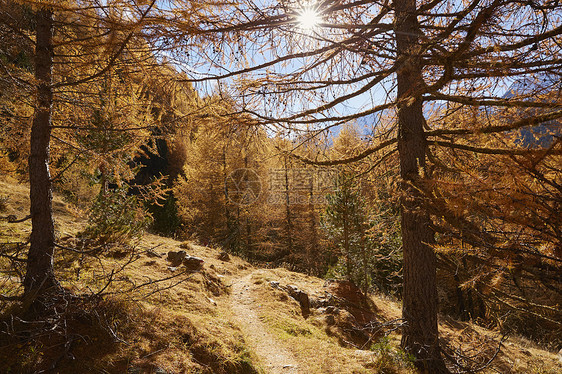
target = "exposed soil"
x: 273, y: 355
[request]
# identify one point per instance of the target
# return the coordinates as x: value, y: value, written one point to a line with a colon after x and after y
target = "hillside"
x: 147, y: 316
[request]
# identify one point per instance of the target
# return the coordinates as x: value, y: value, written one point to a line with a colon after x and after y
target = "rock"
x: 301, y: 297
x: 305, y: 303
x: 176, y: 258
x: 365, y: 355
x: 317, y: 303
x: 330, y: 320
x: 223, y: 256
x: 274, y: 284
x: 193, y: 263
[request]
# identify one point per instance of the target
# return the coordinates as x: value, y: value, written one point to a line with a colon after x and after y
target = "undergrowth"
x: 112, y: 335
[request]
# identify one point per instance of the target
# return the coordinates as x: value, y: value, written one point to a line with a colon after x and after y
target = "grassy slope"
x: 190, y: 327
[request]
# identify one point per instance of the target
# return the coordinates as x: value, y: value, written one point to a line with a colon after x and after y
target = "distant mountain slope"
x: 543, y: 87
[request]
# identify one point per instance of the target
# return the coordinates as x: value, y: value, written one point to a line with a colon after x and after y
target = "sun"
x: 309, y: 18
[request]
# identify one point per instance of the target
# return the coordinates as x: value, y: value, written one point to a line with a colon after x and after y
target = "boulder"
x: 176, y: 258
x: 301, y: 297
x: 193, y: 263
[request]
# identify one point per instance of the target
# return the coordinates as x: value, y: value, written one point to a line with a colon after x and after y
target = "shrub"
x: 165, y: 216
x: 116, y: 217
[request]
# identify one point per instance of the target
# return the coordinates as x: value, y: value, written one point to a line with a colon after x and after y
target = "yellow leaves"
x: 442, y: 249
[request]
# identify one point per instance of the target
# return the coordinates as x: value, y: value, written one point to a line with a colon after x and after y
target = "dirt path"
x: 271, y: 353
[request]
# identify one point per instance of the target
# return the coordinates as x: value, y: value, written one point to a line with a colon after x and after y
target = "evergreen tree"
x: 448, y: 54
x: 346, y: 223
x: 75, y: 46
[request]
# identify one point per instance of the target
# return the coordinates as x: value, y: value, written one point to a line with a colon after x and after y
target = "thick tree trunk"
x: 40, y: 274
x: 420, y: 332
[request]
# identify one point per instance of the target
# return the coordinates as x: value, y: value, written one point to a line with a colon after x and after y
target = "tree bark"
x: 420, y: 332
x: 40, y: 274
x: 289, y: 226
x: 346, y: 246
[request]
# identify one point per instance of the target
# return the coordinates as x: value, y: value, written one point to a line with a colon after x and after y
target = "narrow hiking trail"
x: 276, y: 358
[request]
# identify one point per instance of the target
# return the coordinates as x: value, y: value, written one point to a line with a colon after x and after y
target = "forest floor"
x: 273, y: 355
x: 227, y: 317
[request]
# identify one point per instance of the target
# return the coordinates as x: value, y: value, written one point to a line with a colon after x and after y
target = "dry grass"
x: 184, y: 323
x: 15, y: 202
x: 517, y: 355
x: 142, y: 325
x: 310, y: 339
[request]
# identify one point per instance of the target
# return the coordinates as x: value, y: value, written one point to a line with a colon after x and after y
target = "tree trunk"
x: 346, y: 245
x: 40, y: 274
x: 313, y: 256
x: 420, y: 332
x: 289, y: 223
x: 230, y: 229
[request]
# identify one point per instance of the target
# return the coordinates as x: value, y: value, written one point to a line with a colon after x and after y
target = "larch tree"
x: 77, y: 47
x: 345, y: 217
x: 301, y: 67
x: 51, y: 28
x: 214, y: 192
x: 16, y: 63
x: 499, y: 227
